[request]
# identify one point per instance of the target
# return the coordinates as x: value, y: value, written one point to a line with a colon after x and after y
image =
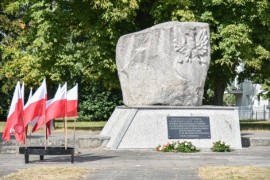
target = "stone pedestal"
x: 146, y: 127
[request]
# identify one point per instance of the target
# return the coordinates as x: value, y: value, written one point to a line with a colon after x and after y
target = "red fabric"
x: 72, y: 108
x: 55, y: 110
x: 15, y: 123
x: 36, y: 109
x: 48, y: 129
x: 40, y: 122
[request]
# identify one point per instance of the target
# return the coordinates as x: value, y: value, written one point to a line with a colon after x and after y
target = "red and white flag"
x: 34, y: 121
x: 15, y: 117
x: 36, y: 105
x: 72, y: 102
x: 55, y: 108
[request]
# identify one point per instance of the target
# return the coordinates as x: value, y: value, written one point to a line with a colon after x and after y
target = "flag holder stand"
x: 57, y: 150
x: 51, y: 150
x: 41, y: 151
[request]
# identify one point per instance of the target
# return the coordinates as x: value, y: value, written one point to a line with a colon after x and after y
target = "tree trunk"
x: 219, y: 93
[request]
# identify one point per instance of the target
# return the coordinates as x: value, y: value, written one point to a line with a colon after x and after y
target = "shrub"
x: 97, y: 103
x: 185, y: 147
x: 254, y: 125
x: 220, y: 147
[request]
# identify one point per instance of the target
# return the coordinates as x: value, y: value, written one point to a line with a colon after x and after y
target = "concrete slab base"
x: 145, y: 127
x: 83, y: 141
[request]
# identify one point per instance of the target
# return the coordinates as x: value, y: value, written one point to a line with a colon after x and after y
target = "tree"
x: 239, y: 34
x: 10, y: 28
x: 75, y: 40
x: 71, y: 41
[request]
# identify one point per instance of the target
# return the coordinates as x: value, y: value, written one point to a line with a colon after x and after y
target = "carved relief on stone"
x: 191, y: 45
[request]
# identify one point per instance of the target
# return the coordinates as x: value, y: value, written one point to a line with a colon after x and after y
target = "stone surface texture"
x: 164, y: 65
x: 146, y: 127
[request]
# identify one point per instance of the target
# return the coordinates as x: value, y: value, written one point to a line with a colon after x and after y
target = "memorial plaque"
x: 188, y: 127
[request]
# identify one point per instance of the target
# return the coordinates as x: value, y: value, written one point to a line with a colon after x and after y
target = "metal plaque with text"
x: 188, y: 127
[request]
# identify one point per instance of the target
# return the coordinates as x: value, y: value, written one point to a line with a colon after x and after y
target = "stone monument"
x: 164, y: 65
x: 162, y: 71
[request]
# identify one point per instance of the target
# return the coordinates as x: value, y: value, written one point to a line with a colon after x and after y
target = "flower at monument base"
x: 220, y: 147
x: 159, y: 148
x: 178, y: 146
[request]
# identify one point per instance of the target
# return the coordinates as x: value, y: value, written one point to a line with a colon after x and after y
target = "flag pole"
x: 44, y: 111
x: 66, y: 118
x: 65, y: 131
x: 30, y: 136
x: 25, y: 128
x: 22, y: 113
x: 25, y: 132
x: 25, y: 135
x: 74, y: 130
x: 45, y: 132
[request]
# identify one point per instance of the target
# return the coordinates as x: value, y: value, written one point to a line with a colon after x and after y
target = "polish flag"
x: 49, y: 125
x: 55, y: 108
x: 72, y: 102
x: 36, y: 105
x: 34, y: 121
x: 40, y: 123
x: 20, y: 130
x: 15, y: 117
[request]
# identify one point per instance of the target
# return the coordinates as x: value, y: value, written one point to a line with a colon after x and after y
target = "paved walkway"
x: 142, y: 164
x: 145, y: 164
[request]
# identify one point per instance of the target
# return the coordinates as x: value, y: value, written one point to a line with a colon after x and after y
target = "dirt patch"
x: 234, y: 172
x: 50, y: 173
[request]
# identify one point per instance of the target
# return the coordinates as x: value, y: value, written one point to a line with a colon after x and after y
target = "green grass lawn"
x: 89, y: 126
x: 81, y: 126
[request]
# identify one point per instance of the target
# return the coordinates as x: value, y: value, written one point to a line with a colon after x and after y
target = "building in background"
x: 249, y: 100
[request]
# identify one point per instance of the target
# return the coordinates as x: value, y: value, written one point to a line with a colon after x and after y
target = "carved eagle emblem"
x: 191, y: 45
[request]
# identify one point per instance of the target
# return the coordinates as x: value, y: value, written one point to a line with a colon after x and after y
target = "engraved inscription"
x: 188, y: 128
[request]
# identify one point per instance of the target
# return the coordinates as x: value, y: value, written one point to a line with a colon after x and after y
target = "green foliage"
x: 220, y: 147
x: 239, y: 34
x: 229, y: 100
x: 208, y: 95
x: 266, y: 89
x: 98, y: 103
x: 75, y: 41
x: 254, y: 125
x: 184, y: 146
x: 64, y: 41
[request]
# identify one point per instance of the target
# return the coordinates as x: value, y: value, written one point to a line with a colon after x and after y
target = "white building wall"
x: 251, y: 104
